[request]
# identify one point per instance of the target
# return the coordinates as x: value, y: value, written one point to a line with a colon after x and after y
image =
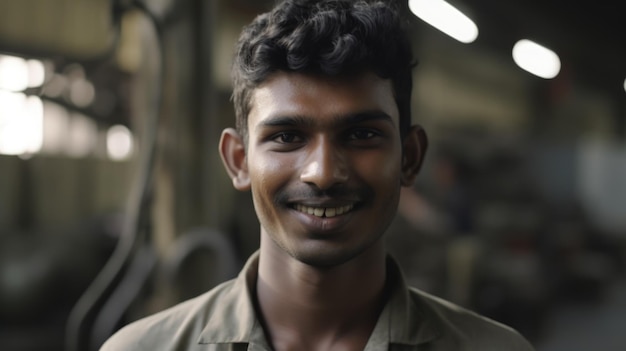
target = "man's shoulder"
x: 458, y: 325
x: 158, y: 331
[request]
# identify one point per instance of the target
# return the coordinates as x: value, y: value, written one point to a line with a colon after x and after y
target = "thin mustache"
x: 310, y: 192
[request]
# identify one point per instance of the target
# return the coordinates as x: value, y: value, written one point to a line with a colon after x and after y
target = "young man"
x: 324, y: 143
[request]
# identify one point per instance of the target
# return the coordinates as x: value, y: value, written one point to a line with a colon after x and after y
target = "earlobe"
x: 233, y: 152
x: 413, y: 152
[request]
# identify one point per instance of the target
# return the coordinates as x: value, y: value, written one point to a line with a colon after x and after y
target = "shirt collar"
x: 410, y: 320
x: 404, y: 319
x: 233, y: 318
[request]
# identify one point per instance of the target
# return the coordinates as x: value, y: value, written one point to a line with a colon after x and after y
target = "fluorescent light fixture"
x: 17, y: 74
x: 21, y: 124
x: 536, y: 59
x: 36, y: 73
x: 119, y: 142
x: 624, y: 84
x: 56, y: 122
x: 13, y: 73
x: 445, y: 18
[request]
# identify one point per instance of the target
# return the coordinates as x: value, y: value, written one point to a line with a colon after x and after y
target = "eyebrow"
x: 287, y: 121
x: 340, y: 120
x: 365, y: 116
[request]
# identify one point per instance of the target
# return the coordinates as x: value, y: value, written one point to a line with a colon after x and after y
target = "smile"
x: 324, y: 211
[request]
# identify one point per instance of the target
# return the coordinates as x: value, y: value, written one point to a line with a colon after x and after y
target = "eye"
x: 286, y: 138
x: 362, y: 134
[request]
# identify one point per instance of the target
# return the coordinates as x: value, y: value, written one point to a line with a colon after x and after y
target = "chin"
x: 323, y: 261
x: 321, y: 256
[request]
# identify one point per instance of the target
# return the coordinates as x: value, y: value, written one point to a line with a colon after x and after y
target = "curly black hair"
x: 327, y: 37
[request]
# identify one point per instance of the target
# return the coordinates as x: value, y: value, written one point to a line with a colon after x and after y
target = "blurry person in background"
x: 440, y: 214
x: 324, y: 143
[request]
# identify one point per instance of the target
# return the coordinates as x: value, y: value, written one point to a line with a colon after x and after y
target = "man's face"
x: 324, y: 160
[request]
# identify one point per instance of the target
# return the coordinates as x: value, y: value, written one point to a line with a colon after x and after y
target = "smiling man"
x: 324, y: 144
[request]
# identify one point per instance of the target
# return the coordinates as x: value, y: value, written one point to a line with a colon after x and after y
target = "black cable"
x: 136, y: 230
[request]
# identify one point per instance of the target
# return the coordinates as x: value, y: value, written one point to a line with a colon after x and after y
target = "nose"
x: 325, y: 166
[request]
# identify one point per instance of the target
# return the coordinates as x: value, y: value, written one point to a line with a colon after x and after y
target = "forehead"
x: 321, y: 98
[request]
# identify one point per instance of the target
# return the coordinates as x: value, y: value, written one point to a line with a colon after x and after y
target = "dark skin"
x: 325, y: 162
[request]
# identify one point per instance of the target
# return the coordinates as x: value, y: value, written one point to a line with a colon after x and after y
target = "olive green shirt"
x: 224, y: 319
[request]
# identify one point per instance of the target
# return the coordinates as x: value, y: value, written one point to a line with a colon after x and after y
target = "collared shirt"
x: 224, y: 319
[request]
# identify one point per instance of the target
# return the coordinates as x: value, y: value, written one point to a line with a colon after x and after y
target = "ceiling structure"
x: 589, y: 37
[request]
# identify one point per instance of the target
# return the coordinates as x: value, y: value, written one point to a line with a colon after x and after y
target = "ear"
x: 233, y: 153
x: 413, y: 152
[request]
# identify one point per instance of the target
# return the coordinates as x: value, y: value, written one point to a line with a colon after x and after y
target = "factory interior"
x: 114, y: 203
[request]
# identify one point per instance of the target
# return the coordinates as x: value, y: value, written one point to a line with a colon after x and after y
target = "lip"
x: 343, y: 205
x: 324, y: 225
x: 324, y: 202
x: 324, y: 211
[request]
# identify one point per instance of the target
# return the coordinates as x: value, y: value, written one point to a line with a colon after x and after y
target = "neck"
x: 302, y: 304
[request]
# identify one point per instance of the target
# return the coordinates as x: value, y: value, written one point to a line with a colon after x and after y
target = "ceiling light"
x: 445, y: 18
x: 536, y: 59
x: 17, y: 74
x: 119, y: 142
x: 36, y: 73
x: 21, y: 123
x: 13, y: 73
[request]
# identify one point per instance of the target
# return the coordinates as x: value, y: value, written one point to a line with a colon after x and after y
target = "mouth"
x: 324, y: 212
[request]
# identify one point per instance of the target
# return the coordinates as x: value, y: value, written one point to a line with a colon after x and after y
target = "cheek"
x: 268, y: 174
x: 383, y: 168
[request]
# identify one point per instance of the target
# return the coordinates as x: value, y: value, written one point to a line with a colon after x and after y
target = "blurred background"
x: 114, y: 203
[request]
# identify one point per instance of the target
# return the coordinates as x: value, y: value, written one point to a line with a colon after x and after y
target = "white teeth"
x: 324, y: 211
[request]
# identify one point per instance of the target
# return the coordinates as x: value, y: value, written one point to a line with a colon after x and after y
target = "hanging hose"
x: 136, y: 231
